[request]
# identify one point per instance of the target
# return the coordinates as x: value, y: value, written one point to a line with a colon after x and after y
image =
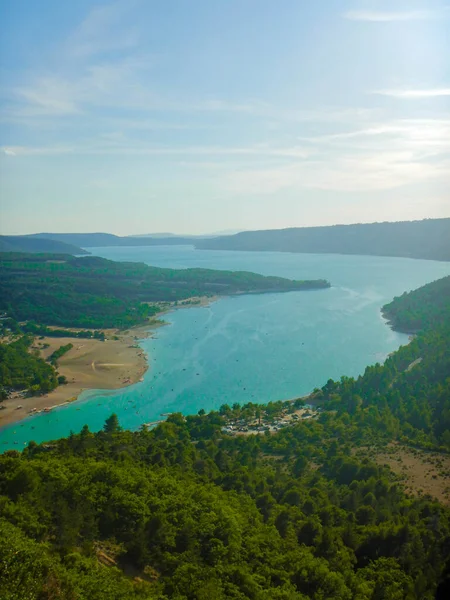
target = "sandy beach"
x: 93, y: 364
x: 90, y: 364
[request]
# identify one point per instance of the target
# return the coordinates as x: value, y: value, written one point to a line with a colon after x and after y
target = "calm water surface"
x: 248, y: 348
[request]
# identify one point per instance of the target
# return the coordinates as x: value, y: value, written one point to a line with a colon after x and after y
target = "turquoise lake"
x: 248, y: 348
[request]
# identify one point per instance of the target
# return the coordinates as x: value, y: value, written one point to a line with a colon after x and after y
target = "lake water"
x: 248, y: 348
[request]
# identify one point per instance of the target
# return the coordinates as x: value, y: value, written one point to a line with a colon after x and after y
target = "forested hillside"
x: 188, y: 512
x: 94, y: 292
x: 21, y: 369
x: 410, y: 394
x: 425, y: 308
x: 428, y: 239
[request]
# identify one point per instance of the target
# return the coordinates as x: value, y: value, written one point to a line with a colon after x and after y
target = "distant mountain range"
x: 189, y: 236
x: 427, y: 239
x: 99, y: 240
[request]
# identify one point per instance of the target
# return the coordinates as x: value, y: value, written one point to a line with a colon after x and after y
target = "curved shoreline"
x: 91, y: 364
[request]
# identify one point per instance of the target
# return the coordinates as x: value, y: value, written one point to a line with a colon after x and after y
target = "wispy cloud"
x: 415, y: 93
x: 102, y: 31
x: 427, y: 136
x: 102, y: 102
x: 127, y: 147
x: 350, y: 173
x: 383, y: 156
x: 374, y: 16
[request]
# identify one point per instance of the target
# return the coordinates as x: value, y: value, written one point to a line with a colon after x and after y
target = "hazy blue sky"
x: 202, y: 115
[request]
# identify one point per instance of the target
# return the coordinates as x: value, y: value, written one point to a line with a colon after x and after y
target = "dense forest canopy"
x: 409, y: 395
x: 184, y: 512
x: 425, y: 308
x: 22, y: 369
x: 94, y: 292
x: 428, y: 239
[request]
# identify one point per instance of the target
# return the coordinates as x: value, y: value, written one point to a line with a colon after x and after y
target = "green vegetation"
x: 409, y: 396
x: 54, y: 356
x: 425, y: 308
x: 187, y: 512
x: 92, y: 292
x: 197, y: 514
x: 21, y: 369
x: 43, y: 330
x: 428, y: 239
x: 30, y: 243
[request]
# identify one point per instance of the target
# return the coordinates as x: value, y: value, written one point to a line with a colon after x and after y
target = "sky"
x: 197, y: 116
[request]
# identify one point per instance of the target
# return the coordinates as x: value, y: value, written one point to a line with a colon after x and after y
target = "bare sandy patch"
x: 93, y: 364
x: 90, y: 364
x: 420, y: 471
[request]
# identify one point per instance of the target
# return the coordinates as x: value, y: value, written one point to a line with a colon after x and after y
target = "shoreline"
x: 93, y: 364
x: 90, y: 364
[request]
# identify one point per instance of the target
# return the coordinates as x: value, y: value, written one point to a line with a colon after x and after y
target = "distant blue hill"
x: 26, y: 243
x: 98, y: 240
x: 428, y: 239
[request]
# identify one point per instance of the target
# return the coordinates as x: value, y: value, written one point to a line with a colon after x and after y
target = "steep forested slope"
x: 425, y: 308
x: 195, y: 514
x: 410, y: 394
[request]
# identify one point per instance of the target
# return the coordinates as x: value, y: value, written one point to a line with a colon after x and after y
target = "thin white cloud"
x: 351, y: 173
x: 102, y: 31
x: 424, y: 135
x: 389, y: 16
x: 382, y: 156
x: 49, y: 96
x: 125, y: 147
x: 125, y: 85
x: 412, y: 94
x: 36, y: 151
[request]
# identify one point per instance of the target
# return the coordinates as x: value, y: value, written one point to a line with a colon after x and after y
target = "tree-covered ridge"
x: 94, y: 292
x: 429, y: 238
x: 409, y: 395
x: 424, y: 308
x: 196, y: 514
x: 21, y: 369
